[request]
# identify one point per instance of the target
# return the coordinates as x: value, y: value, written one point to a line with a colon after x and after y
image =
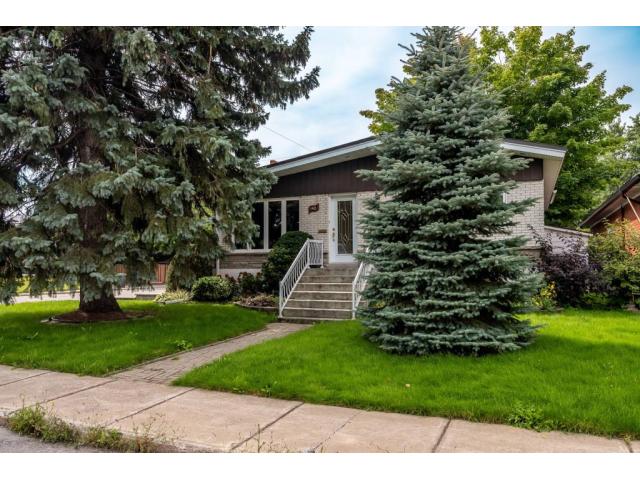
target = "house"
x: 319, y: 193
x: 624, y: 203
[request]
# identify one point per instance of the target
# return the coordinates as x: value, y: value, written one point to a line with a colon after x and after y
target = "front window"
x: 273, y: 218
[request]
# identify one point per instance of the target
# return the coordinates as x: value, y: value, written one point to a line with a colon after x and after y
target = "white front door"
x: 342, y: 229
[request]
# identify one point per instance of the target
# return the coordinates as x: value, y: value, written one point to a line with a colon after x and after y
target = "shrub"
x: 174, y: 296
x: 235, y: 286
x: 616, y: 250
x: 600, y: 301
x: 569, y: 270
x: 249, y: 283
x: 546, y: 299
x: 212, y: 289
x: 183, y: 280
x: 280, y: 258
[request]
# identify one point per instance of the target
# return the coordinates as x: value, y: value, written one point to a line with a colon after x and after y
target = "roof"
x: 552, y: 156
x: 607, y: 207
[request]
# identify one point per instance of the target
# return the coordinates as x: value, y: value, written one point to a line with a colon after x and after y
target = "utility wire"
x: 287, y: 138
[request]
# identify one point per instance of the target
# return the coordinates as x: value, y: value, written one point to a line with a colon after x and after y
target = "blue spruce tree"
x: 118, y: 144
x: 447, y: 275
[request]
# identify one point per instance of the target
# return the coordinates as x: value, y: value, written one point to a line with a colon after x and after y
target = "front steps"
x: 322, y: 294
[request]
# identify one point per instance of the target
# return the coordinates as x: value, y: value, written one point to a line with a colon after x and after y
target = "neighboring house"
x: 319, y: 193
x: 624, y: 203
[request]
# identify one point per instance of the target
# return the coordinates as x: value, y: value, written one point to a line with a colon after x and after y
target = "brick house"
x: 624, y: 203
x: 319, y: 193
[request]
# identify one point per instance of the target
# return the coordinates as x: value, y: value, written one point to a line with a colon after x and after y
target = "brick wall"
x: 534, y: 216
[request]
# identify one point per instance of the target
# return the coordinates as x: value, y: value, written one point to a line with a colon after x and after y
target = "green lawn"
x: 101, y: 348
x: 582, y: 374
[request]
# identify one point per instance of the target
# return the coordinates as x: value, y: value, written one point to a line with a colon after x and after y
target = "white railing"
x: 358, y: 286
x: 309, y: 255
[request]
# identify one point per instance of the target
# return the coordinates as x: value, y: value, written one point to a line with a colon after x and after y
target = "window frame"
x: 265, y: 219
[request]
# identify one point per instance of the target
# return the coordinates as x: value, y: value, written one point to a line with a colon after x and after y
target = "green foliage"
x: 617, y: 251
x: 174, y: 296
x: 552, y: 97
x: 249, y: 283
x: 182, y: 345
x: 546, y: 298
x: 196, y: 268
x: 444, y: 278
x: 121, y: 143
x: 212, y: 289
x: 280, y: 257
x: 599, y: 301
x: 531, y: 417
x: 34, y: 422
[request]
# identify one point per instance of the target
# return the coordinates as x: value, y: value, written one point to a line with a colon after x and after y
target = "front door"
x: 342, y: 229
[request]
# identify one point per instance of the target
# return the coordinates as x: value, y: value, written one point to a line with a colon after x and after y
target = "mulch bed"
x: 78, y: 317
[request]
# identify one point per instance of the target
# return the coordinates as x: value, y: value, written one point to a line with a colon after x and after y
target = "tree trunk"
x: 105, y: 303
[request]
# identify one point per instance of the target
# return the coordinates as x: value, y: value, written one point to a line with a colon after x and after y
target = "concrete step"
x: 324, y: 313
x: 320, y: 295
x: 309, y: 320
x: 305, y: 286
x: 326, y: 278
x: 320, y: 304
x: 332, y: 271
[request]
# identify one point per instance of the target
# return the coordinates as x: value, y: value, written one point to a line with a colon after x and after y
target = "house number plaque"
x: 314, y: 208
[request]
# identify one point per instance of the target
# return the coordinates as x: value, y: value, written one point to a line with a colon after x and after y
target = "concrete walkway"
x: 169, y: 368
x: 195, y: 419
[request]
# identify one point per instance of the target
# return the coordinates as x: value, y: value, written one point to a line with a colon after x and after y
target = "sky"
x: 354, y: 61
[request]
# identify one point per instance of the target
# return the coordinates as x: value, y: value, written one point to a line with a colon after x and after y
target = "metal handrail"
x: 310, y: 254
x: 358, y: 286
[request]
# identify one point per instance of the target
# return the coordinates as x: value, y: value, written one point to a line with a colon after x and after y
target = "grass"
x: 101, y: 348
x: 38, y: 423
x: 582, y: 374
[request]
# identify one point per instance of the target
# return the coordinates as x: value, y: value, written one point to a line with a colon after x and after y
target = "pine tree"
x: 446, y: 273
x: 119, y: 144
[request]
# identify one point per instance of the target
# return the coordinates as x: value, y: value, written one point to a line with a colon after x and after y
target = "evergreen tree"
x: 446, y: 273
x: 551, y: 97
x: 120, y: 144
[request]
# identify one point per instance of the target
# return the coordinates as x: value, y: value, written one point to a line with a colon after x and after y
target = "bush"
x: 617, y: 251
x: 600, y: 301
x: 235, y: 286
x: 546, y: 299
x: 174, y: 296
x: 184, y: 280
x: 280, y: 258
x: 570, y: 271
x: 249, y: 283
x: 212, y: 289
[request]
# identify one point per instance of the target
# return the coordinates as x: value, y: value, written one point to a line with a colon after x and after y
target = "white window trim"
x: 265, y: 219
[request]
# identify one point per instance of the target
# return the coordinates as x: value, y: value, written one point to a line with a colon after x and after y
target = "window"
x: 273, y: 218
x: 275, y: 222
x: 293, y: 215
x: 258, y: 218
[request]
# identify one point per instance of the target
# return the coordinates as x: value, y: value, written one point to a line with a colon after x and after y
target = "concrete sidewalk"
x: 195, y: 419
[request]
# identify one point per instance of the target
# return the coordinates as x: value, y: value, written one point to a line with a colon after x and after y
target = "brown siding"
x: 341, y: 178
x: 338, y: 178
x: 243, y: 260
x: 532, y: 173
